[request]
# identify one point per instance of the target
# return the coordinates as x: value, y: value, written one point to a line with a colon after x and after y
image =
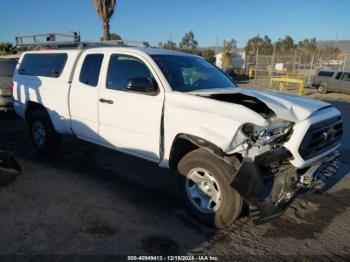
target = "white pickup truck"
x: 231, y: 146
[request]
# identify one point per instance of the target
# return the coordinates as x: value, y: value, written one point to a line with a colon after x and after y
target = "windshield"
x: 191, y: 73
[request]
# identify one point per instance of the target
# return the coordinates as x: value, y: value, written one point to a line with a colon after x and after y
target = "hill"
x: 343, y: 45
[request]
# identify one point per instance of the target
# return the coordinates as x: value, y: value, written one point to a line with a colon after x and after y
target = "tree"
x: 264, y: 44
x: 330, y: 52
x: 145, y: 44
x: 6, y: 48
x: 285, y: 45
x: 266, y: 47
x: 105, y: 10
x: 168, y: 45
x: 113, y: 36
x: 308, y: 44
x: 188, y: 43
x: 227, y: 54
x: 208, y: 54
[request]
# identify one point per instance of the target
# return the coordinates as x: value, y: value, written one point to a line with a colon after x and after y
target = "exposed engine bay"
x: 247, y: 101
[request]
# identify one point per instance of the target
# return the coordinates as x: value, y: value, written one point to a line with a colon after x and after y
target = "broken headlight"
x: 266, y: 135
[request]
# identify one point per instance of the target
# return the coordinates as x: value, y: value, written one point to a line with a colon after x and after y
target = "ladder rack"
x: 68, y: 40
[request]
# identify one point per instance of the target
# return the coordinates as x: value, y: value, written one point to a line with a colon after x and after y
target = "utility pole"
x: 256, y: 61
x: 344, y: 62
x: 217, y: 45
x: 272, y: 62
x: 294, y: 60
x: 311, y: 68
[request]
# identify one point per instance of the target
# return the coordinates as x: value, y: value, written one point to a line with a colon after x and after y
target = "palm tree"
x: 105, y: 10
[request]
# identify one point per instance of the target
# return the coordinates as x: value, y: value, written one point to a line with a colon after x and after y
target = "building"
x: 238, y: 60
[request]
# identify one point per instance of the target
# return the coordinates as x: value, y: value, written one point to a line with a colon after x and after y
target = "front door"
x: 345, y: 83
x: 130, y: 120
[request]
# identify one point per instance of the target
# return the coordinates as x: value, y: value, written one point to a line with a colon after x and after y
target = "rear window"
x: 49, y: 65
x: 326, y: 73
x: 90, y: 70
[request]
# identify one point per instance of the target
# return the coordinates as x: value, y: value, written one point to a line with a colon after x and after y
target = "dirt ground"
x: 87, y: 200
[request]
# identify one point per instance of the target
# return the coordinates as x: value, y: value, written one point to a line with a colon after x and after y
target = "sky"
x: 212, y: 21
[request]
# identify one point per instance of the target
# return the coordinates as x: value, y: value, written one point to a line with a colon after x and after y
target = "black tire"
x: 51, y: 137
x: 9, y: 167
x: 231, y: 201
x: 322, y: 89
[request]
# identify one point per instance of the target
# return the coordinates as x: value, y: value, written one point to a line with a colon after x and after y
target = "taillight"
x: 11, y: 89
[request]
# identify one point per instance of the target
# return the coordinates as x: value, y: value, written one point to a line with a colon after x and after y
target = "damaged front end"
x: 270, y: 183
x: 266, y: 179
x: 287, y: 146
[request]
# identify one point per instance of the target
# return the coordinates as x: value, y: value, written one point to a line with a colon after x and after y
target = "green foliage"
x: 308, y: 44
x: 285, y: 45
x: 188, y: 43
x: 113, y: 36
x: 208, y: 54
x: 168, y: 45
x: 227, y: 54
x: 6, y: 48
x: 264, y: 44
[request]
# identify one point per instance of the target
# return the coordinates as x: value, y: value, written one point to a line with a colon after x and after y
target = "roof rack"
x: 48, y: 39
x: 68, y: 40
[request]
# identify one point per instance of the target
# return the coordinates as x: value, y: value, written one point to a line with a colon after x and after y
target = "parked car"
x: 230, y: 146
x: 332, y: 81
x: 7, y: 67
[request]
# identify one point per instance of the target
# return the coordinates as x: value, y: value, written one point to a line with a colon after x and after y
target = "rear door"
x: 130, y: 120
x: 84, y: 96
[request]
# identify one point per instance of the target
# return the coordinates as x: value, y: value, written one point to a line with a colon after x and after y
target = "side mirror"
x: 141, y: 84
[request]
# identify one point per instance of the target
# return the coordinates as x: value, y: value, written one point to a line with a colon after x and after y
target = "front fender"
x: 215, y: 121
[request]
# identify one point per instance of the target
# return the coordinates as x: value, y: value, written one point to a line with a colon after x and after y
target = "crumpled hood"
x: 288, y: 107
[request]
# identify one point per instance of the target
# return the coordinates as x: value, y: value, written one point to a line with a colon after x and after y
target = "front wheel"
x: 203, y: 185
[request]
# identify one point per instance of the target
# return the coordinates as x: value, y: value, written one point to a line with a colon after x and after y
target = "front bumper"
x: 270, y: 184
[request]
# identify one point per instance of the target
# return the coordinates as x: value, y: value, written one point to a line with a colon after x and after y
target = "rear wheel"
x: 42, y: 132
x: 203, y: 185
x: 322, y: 89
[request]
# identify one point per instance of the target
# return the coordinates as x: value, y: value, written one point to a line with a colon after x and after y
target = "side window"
x: 339, y: 75
x: 124, y: 68
x: 326, y: 73
x: 90, y: 70
x: 49, y: 65
x: 346, y: 77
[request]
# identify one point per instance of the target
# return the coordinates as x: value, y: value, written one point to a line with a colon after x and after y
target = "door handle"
x: 102, y: 100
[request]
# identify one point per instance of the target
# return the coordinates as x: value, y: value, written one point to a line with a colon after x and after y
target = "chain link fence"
x: 296, y: 65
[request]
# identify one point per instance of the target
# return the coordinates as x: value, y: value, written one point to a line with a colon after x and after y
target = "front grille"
x: 321, y: 137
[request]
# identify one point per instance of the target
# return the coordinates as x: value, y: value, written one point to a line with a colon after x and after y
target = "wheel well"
x: 185, y: 143
x: 33, y: 107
